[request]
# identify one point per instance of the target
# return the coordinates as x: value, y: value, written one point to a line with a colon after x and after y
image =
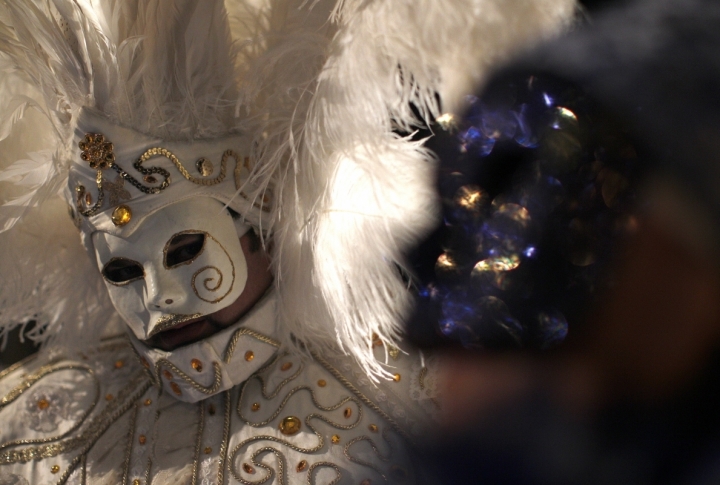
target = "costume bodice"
x: 102, y: 418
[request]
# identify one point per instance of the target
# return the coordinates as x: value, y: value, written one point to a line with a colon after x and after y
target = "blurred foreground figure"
x: 581, y: 195
x: 245, y: 202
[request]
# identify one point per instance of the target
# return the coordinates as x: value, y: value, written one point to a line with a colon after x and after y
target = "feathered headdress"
x: 323, y: 87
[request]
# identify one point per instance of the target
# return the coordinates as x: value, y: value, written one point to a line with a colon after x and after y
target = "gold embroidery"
x: 210, y: 390
x: 314, y: 466
x: 207, y: 281
x: 368, y: 464
x: 230, y: 350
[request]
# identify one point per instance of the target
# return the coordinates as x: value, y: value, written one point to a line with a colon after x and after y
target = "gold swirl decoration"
x: 208, y: 281
x: 233, y: 458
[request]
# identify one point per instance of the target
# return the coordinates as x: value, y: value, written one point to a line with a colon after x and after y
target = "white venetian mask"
x: 182, y: 263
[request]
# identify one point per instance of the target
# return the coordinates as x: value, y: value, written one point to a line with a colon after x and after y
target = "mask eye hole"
x: 121, y: 271
x: 183, y: 248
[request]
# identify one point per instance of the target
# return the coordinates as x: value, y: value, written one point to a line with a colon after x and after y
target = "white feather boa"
x: 321, y: 84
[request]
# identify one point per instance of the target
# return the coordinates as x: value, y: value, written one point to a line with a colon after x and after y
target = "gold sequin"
x: 397, y: 377
x: 373, y: 428
x: 348, y: 412
x: 335, y: 439
x: 196, y: 364
x: 301, y: 466
x: 175, y: 388
x: 121, y: 215
x: 109, y: 397
x: 43, y: 404
x: 249, y: 355
x: 167, y: 375
x: 142, y: 439
x: 248, y: 468
x: 208, y: 450
x: 290, y: 425
x: 255, y: 406
x: 148, y: 402
x: 204, y: 167
x: 286, y: 366
x: 322, y: 383
x: 55, y: 469
x: 119, y: 364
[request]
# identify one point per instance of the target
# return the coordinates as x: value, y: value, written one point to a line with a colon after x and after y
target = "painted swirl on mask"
x: 212, y: 278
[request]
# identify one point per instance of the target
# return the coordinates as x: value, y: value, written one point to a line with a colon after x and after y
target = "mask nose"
x: 163, y: 294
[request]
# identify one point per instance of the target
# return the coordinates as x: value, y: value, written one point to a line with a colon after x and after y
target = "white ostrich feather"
x: 322, y: 85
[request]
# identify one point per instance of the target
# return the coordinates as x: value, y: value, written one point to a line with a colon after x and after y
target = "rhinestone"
x: 248, y: 468
x: 211, y: 409
x: 121, y: 215
x: 204, y: 167
x: 119, y: 364
x: 175, y: 388
x: 347, y: 413
x: 249, y: 355
x: 373, y: 428
x: 142, y: 439
x: 43, y: 404
x: 208, y: 450
x: 397, y: 377
x: 55, y: 469
x: 289, y: 426
x: 322, y: 383
x: 148, y: 402
x: 109, y: 397
x: 196, y: 364
x: 301, y: 466
x: 335, y: 439
x: 286, y: 366
x: 255, y: 406
x: 150, y: 179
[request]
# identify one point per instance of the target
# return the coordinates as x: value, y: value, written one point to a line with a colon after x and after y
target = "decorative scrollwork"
x: 208, y: 280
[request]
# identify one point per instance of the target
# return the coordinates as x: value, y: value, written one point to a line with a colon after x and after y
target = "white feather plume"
x: 323, y: 85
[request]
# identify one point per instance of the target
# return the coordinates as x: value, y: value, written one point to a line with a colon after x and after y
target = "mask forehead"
x: 208, y: 281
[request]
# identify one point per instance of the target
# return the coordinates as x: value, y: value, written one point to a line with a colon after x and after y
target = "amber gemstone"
x: 88, y: 199
x: 208, y: 450
x: 43, y: 404
x: 167, y: 375
x: 55, y: 469
x: 335, y: 439
x: 373, y: 428
x: 175, y: 388
x: 196, y: 364
x: 121, y: 215
x: 248, y: 468
x: 301, y: 466
x: 255, y: 406
x: 109, y: 397
x: 136, y: 482
x: 142, y: 439
x: 286, y: 366
x: 148, y: 402
x: 322, y: 383
x: 396, y: 377
x: 348, y: 412
x: 150, y: 179
x: 290, y: 425
x: 119, y: 364
x: 249, y: 355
